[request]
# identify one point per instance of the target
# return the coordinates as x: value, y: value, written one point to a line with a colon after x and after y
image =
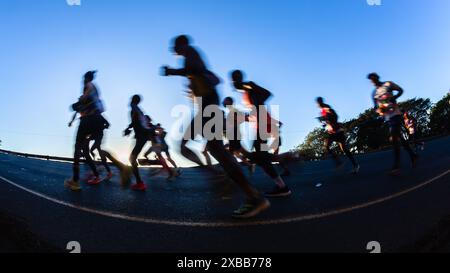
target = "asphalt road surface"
x: 330, y: 210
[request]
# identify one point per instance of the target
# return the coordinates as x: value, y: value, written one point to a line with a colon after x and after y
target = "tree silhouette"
x: 419, y: 109
x: 313, y: 147
x: 440, y: 116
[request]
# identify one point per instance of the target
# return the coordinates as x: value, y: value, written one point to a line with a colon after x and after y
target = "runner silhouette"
x: 203, y: 85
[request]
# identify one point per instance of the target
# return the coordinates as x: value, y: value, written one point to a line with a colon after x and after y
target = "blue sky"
x: 298, y: 49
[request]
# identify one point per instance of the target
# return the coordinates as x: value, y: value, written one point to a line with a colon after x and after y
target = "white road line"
x: 286, y: 220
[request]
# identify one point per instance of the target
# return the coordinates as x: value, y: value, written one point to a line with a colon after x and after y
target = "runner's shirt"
x: 385, y: 101
x: 139, y: 121
x: 202, y: 80
x: 330, y: 118
x: 92, y: 104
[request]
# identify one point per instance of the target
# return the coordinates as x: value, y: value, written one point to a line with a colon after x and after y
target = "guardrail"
x: 143, y: 162
x: 44, y: 157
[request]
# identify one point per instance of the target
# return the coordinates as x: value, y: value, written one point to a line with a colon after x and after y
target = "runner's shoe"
x: 89, y: 177
x: 251, y: 209
x: 140, y: 186
x: 279, y: 192
x: 94, y: 181
x: 72, y: 185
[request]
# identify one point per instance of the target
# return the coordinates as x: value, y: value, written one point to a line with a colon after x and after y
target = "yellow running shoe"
x: 72, y: 185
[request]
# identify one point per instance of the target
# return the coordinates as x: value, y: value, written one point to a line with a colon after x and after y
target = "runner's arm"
x: 375, y: 103
x: 73, y: 119
x: 193, y: 65
x: 174, y: 72
x: 134, y: 118
x: 106, y: 123
x: 397, y: 88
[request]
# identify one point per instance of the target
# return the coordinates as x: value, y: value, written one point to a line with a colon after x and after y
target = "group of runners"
x: 215, y: 126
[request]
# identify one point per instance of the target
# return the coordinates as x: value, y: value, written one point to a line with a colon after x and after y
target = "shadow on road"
x: 15, y: 237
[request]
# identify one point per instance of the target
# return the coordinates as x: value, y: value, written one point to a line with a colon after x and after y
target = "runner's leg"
x: 346, y: 151
x: 232, y: 168
x: 395, y: 131
x: 140, y: 143
x: 328, y: 141
x: 169, y: 158
x: 185, y: 151
x: 265, y: 159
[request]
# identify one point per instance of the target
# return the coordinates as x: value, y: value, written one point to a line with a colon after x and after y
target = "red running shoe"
x: 140, y: 186
x: 89, y: 177
x: 94, y: 181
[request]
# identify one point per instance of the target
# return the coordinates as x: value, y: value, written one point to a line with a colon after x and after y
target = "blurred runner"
x: 385, y: 102
x: 203, y: 84
x: 255, y: 98
x: 336, y: 133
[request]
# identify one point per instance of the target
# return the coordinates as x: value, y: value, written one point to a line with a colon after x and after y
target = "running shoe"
x: 279, y: 192
x: 89, y: 177
x: 94, y: 181
x: 356, y: 169
x: 140, y: 186
x: 72, y: 185
x: 251, y: 209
